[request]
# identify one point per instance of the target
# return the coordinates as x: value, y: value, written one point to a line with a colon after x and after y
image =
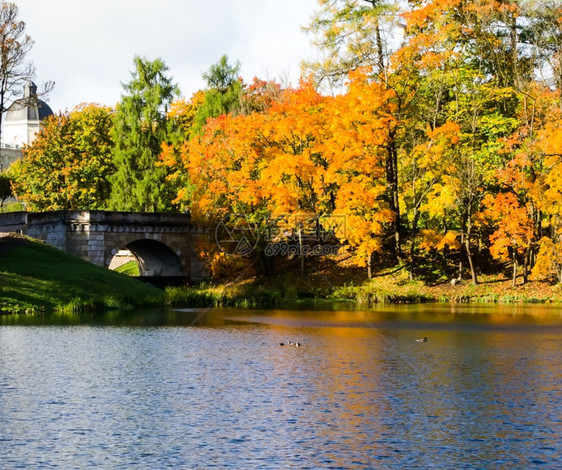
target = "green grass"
x: 130, y: 268
x: 287, y: 288
x: 225, y: 295
x: 36, y: 277
x: 371, y: 293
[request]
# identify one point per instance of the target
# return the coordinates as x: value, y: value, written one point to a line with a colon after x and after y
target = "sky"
x: 87, y: 47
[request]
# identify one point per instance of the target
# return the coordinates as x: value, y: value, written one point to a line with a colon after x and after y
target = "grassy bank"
x: 335, y: 282
x: 36, y: 277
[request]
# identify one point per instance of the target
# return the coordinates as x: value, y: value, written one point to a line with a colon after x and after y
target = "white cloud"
x: 87, y: 48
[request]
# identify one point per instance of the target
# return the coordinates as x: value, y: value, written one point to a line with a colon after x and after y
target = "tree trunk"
x: 412, y: 261
x: 465, y: 240
x: 444, y: 256
x: 514, y: 278
x: 470, y: 261
x: 413, y: 241
x: 3, y: 87
x: 526, y: 265
x: 380, y: 49
x: 392, y: 182
x: 301, y: 251
x: 369, y: 266
x: 263, y: 262
x: 514, y: 54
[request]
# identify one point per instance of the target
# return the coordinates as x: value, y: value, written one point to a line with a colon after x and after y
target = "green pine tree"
x: 139, y: 184
x: 223, y: 93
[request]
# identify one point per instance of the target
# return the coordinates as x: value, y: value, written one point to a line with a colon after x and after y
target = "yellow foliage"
x: 549, y: 260
x: 431, y: 239
x: 223, y: 266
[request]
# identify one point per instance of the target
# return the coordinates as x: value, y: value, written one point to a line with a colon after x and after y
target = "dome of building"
x: 22, y: 121
x: 28, y: 108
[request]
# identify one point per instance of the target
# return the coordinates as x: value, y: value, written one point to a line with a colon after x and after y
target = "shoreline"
x: 368, y: 295
x: 36, y: 278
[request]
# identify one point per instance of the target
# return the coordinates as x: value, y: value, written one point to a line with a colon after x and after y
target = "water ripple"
x: 228, y: 396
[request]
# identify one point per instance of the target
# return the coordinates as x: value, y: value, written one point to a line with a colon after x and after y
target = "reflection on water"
x: 214, y: 389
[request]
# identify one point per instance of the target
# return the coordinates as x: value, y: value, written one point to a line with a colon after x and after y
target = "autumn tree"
x: 426, y: 187
x: 449, y: 50
x: 140, y: 128
x: 259, y: 96
x: 68, y: 165
x: 259, y: 164
x: 181, y: 116
x: 255, y: 98
x: 220, y: 164
x: 353, y: 34
x: 279, y: 141
x: 514, y: 234
x: 362, y: 123
x: 541, y: 146
x: 219, y: 170
x: 306, y: 156
x: 294, y: 128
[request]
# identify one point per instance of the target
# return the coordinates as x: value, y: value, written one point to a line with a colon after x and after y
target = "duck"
x: 422, y: 340
x: 281, y: 344
x: 297, y: 345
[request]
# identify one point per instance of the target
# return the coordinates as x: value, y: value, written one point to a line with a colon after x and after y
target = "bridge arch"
x: 155, y: 259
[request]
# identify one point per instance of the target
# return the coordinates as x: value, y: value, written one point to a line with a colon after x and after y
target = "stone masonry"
x: 164, y: 244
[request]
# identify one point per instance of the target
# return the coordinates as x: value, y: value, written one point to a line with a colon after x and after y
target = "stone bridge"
x: 164, y: 245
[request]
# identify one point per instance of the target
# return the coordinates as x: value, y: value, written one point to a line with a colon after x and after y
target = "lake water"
x: 214, y: 389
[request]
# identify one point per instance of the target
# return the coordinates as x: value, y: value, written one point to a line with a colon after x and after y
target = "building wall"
x: 18, y: 133
x: 8, y: 156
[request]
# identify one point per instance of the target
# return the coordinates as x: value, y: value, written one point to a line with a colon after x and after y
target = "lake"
x: 214, y: 388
